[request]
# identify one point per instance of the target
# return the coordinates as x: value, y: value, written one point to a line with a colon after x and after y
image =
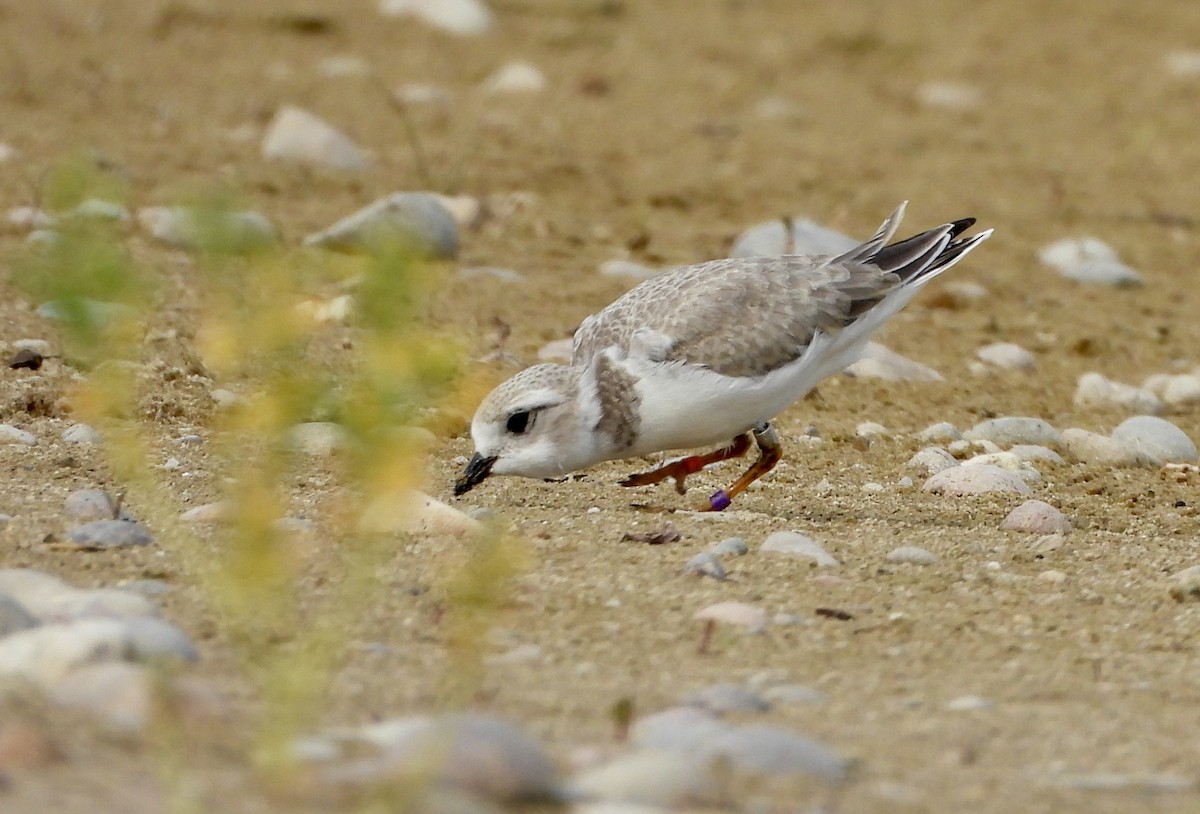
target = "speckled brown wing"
x: 740, y: 316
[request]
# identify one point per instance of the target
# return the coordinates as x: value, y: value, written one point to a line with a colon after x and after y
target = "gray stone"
x: 460, y: 17
x: 81, y: 434
x: 731, y: 546
x: 418, y: 220
x: 879, y: 362
x: 1007, y: 356
x: 99, y: 603
x: 1036, y: 517
x: 34, y: 590
x: 90, y: 504
x: 652, y: 778
x: 116, y: 693
x: 771, y: 750
x: 44, y: 655
x: 1093, y: 448
x: 773, y: 238
x: 798, y: 545
x: 191, y: 228
x: 1157, y: 439
x: 787, y: 694
x: 941, y: 432
x: 678, y: 729
x: 12, y: 435
x: 1094, y: 390
x: 102, y: 534
x: 147, y: 587
x: 154, y: 639
x: 13, y: 616
x: 1011, y: 430
x: 298, y: 136
x: 1034, y: 452
x: 976, y: 480
x: 932, y: 460
x: 1104, y: 272
x: 723, y: 698
x: 705, y: 564
x: 912, y: 554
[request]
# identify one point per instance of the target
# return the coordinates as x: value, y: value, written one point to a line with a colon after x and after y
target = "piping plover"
x: 703, y: 354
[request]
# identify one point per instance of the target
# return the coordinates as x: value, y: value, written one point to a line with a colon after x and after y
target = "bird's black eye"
x: 519, y: 422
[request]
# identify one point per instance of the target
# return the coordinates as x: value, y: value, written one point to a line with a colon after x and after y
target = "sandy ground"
x: 650, y: 142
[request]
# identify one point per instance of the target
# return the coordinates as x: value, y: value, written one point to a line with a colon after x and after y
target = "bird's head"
x: 531, y: 425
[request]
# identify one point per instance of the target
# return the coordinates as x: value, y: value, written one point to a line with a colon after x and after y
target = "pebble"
x: 629, y: 269
x: 949, y: 95
x: 870, y: 430
x: 14, y: 616
x: 705, y: 564
x: 423, y: 93
x: 475, y: 753
x: 343, y: 66
x: 46, y: 654
x: 731, y: 546
x: 976, y: 480
x: 215, y: 512
x: 81, y: 434
x: 880, y: 362
x: 772, y: 238
x: 1183, y: 63
x: 750, y: 617
x: 1182, y: 389
x: 90, y: 504
x: 29, y: 217
x: 1011, y: 430
x: 1157, y: 439
x: 461, y: 17
x: 298, y: 136
x: 914, y: 555
x: 1088, y: 260
x: 153, y: 639
x: 798, y: 545
x: 1052, y: 577
x: 319, y: 438
x: 968, y: 703
x: 11, y: 435
x: 943, y: 431
x: 339, y: 309
x: 414, y: 512
x: 1009, y: 462
x: 516, y: 77
x: 1036, y: 517
x: 100, y: 209
x: 725, y: 698
x: 188, y: 228
x: 932, y: 460
x: 147, y: 587
x: 32, y: 588
x: 1094, y: 448
x: 1034, y: 452
x: 770, y: 750
x: 39, y: 346
x: 1094, y: 390
x: 1007, y: 356
x: 677, y: 729
x: 652, y: 777
x: 118, y: 694
x: 419, y: 219
x: 105, y: 603
x: 1185, y: 585
x: 104, y: 534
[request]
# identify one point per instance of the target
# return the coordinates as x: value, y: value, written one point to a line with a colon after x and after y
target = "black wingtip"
x: 960, y: 226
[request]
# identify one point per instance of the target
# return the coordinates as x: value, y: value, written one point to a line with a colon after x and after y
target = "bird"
x: 702, y: 355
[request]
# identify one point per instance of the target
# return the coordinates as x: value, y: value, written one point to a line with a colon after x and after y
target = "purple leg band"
x: 719, y: 501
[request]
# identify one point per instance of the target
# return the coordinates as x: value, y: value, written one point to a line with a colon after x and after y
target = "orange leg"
x: 769, y: 453
x: 680, y: 469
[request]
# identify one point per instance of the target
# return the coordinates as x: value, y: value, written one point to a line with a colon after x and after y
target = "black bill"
x: 477, y: 469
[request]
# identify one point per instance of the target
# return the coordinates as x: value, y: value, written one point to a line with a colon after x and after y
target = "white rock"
x: 870, y: 430
x: 1093, y: 448
x: 1007, y: 356
x: 29, y: 217
x: 1009, y: 462
x: 1185, y: 585
x: 414, y: 512
x: 467, y: 210
x: 31, y: 588
x: 319, y: 438
x: 422, y: 93
x: 1070, y: 252
x: 1183, y: 389
x: 90, y: 504
x: 678, y: 729
x: 14, y: 616
x: 769, y: 750
x: 949, y: 95
x: 460, y: 17
x: 773, y: 238
x: 1183, y: 63
x: 190, y: 228
x: 1011, y: 430
x: 80, y: 434
x: 516, y: 77
x: 298, y: 136
x: 7, y: 152
x: 912, y: 554
x: 705, y: 564
x: 418, y: 220
x: 725, y: 698
x: 968, y: 703
x: 1036, y: 517
x: 215, y: 512
x: 777, y: 108
x: 1103, y: 272
x: 1094, y: 390
x: 976, y: 480
x: 731, y: 546
x: 36, y: 345
x: 879, y: 362
x: 1035, y: 452
x: 942, y: 432
x: 750, y: 617
x: 109, y: 533
x: 652, y: 778
x: 1157, y: 439
x: 11, y: 435
x: 932, y: 460
x: 45, y: 655
x: 100, y: 209
x: 798, y: 545
x: 628, y: 269
x: 97, y: 603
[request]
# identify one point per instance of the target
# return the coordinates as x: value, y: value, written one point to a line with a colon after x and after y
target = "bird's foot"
x: 675, y: 470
